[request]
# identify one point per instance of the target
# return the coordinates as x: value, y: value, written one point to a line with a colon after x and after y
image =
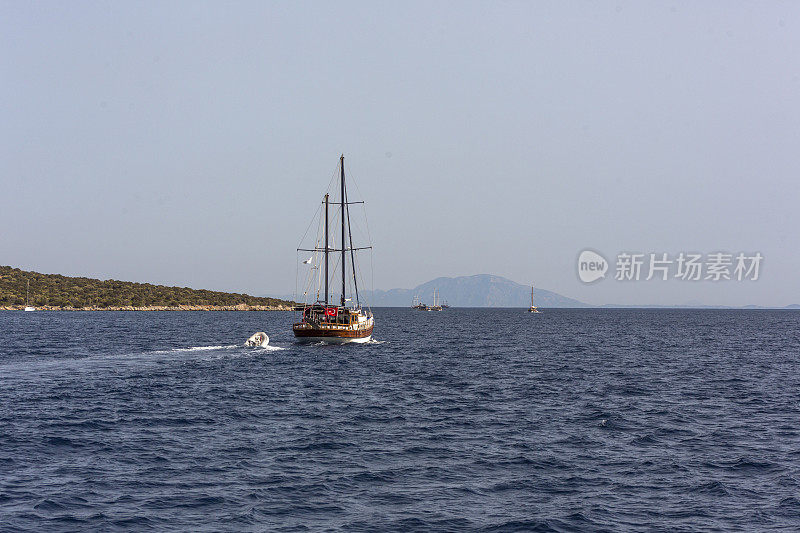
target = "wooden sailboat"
x: 28, y: 306
x: 322, y: 319
x: 533, y: 308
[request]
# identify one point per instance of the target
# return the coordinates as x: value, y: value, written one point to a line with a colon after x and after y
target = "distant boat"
x: 28, y: 307
x: 436, y: 305
x: 533, y: 308
x: 322, y: 319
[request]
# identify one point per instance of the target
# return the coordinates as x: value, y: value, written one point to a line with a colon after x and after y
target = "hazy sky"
x: 188, y: 143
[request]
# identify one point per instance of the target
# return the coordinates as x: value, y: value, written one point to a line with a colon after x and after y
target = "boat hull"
x: 331, y: 336
x: 333, y: 340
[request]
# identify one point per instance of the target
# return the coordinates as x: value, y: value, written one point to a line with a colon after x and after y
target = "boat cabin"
x: 321, y: 314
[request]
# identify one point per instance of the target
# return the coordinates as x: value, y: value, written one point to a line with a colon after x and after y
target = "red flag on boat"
x: 331, y: 311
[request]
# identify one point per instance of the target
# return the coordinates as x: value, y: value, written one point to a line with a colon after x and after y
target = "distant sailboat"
x: 533, y: 308
x: 436, y: 305
x: 28, y: 307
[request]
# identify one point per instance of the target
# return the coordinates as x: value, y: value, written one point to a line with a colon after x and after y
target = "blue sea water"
x: 464, y: 420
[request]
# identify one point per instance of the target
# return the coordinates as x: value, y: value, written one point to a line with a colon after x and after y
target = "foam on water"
x: 270, y: 348
x: 206, y: 348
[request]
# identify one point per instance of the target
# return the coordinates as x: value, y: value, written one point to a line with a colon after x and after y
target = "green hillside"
x: 54, y: 290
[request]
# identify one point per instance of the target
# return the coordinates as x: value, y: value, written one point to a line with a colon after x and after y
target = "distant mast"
x: 533, y: 308
x: 27, y: 297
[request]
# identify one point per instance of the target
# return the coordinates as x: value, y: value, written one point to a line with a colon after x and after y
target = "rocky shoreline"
x: 239, y: 307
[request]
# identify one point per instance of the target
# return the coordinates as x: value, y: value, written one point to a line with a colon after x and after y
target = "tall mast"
x: 344, y: 252
x: 326, y: 249
x: 352, y: 250
x: 27, y: 290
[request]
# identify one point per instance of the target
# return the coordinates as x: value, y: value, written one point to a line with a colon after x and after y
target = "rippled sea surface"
x: 468, y: 419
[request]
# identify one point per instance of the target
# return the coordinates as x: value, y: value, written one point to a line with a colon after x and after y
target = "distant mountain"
x: 481, y: 290
x: 486, y: 290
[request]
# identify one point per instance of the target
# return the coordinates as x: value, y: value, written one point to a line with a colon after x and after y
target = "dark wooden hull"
x: 331, y: 335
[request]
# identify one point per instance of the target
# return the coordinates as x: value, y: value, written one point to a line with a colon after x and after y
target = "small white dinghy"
x: 258, y: 339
